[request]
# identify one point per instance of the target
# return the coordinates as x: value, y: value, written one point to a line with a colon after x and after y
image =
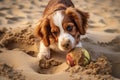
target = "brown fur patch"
x: 79, y: 17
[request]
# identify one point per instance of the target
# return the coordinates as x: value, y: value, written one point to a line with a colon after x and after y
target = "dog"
x: 61, y: 26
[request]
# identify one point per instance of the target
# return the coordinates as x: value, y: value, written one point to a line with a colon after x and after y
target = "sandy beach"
x: 19, y: 47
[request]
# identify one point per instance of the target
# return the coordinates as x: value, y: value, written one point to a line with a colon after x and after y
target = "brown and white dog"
x: 61, y: 25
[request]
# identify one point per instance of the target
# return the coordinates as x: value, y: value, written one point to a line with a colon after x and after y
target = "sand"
x: 19, y: 47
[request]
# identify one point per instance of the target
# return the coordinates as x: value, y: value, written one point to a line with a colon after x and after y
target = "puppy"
x: 61, y: 26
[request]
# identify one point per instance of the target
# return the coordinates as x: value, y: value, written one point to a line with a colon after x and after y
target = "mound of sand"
x: 9, y: 72
x: 23, y: 39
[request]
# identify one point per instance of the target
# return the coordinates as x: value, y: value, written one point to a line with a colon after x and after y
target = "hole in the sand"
x: 27, y: 49
x: 50, y: 66
x: 10, y: 44
x: 2, y: 32
x: 111, y: 30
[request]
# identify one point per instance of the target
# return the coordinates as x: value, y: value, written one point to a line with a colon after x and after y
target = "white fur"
x: 58, y: 18
x: 43, y: 51
x: 79, y: 44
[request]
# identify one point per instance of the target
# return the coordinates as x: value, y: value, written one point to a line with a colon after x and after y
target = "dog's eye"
x: 55, y: 33
x: 69, y: 28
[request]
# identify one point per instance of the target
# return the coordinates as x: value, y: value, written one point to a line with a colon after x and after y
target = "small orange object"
x: 70, y: 60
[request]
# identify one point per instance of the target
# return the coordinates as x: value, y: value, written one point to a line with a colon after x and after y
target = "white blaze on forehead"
x: 57, y: 19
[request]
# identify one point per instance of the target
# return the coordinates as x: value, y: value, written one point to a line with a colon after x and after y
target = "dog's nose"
x: 66, y: 43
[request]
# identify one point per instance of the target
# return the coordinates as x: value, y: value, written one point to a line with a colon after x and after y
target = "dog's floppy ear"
x: 42, y: 31
x: 80, y: 18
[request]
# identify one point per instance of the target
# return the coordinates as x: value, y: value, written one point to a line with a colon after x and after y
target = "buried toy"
x: 78, y: 56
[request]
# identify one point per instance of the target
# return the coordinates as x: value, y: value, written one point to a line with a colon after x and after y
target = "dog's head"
x: 64, y: 27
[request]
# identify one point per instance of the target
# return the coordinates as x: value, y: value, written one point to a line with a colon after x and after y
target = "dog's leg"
x: 43, y: 51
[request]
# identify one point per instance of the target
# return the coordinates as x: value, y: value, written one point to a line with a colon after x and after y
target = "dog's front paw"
x: 42, y: 55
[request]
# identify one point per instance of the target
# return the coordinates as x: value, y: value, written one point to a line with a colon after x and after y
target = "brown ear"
x: 42, y: 31
x: 79, y: 17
